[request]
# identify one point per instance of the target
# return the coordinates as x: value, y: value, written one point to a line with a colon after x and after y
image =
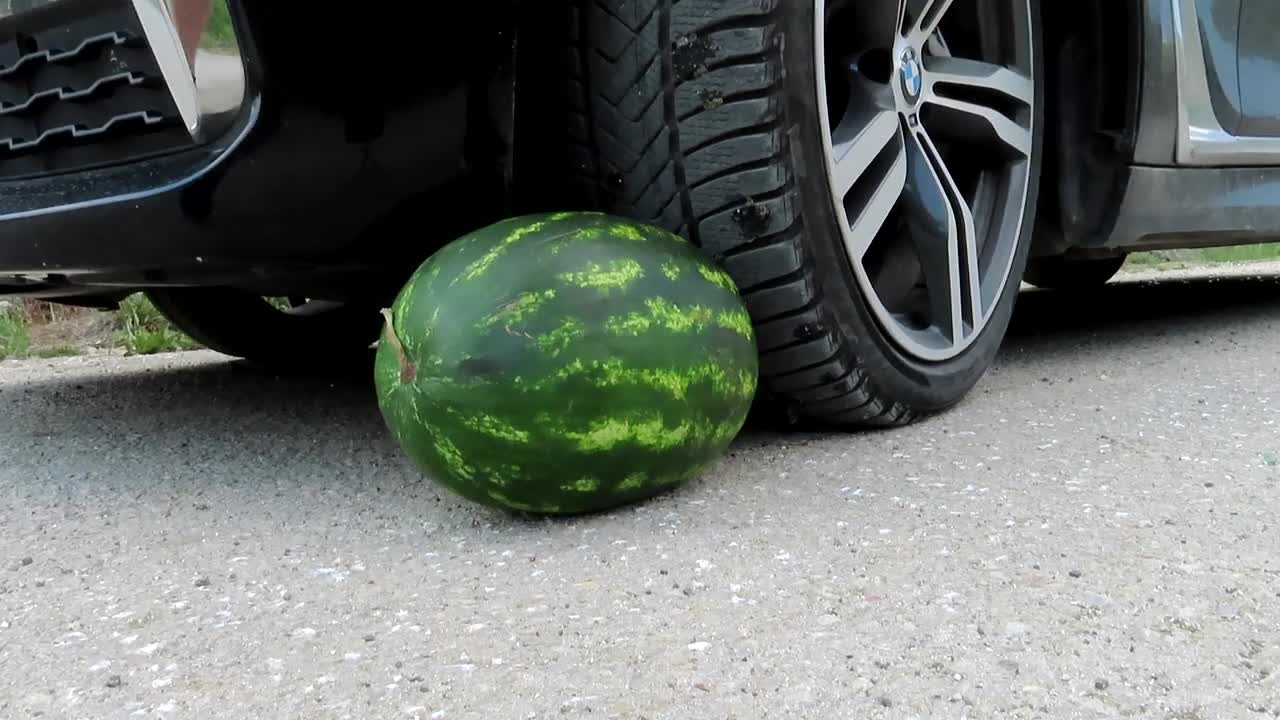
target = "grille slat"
x: 56, y: 56
x: 78, y: 132
x: 79, y: 88
x: 68, y: 95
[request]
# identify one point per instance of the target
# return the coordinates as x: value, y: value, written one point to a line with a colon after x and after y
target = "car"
x: 879, y: 177
x: 251, y: 166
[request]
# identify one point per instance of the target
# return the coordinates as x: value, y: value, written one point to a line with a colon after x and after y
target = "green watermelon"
x: 566, y: 363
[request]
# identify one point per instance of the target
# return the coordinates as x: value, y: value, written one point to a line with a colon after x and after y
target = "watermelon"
x: 566, y: 363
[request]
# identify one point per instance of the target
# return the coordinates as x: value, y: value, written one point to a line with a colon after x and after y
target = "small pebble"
x: 202, y: 582
x: 369, y: 637
x: 1016, y: 629
x: 1096, y: 599
x: 114, y: 681
x: 25, y: 561
x: 885, y: 701
x: 1101, y: 684
x: 1075, y: 573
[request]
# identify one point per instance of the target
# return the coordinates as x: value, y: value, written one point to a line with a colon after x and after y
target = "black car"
x: 877, y: 175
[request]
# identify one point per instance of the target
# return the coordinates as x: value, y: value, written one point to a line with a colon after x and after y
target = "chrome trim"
x: 215, y: 86
x: 162, y: 36
x: 1201, y: 138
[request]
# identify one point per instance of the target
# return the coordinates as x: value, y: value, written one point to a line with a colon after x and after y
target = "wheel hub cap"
x: 911, y: 77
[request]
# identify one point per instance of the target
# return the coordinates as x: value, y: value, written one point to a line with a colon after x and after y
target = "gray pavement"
x: 1092, y: 534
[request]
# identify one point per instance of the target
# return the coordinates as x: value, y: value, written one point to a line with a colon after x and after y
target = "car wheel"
x: 867, y: 171
x: 1061, y: 273
x: 297, y: 335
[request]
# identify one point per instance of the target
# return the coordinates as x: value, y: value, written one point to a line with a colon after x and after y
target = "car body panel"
x: 1203, y: 139
x: 1166, y: 208
x: 1259, y: 61
x: 1219, y: 22
x: 1196, y: 178
x: 1157, y: 122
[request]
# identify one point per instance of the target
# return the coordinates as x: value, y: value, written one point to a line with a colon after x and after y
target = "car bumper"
x: 287, y: 167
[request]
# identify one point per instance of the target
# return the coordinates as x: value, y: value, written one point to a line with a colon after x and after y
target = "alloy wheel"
x: 927, y: 110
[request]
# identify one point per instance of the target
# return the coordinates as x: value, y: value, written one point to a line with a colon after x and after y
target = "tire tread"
x: 685, y: 127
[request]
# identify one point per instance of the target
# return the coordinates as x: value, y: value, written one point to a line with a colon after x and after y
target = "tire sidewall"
x: 923, y: 385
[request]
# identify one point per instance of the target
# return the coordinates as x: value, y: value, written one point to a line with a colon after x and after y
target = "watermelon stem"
x: 407, y: 369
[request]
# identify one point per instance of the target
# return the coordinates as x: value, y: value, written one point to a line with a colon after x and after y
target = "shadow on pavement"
x: 216, y: 405
x: 1116, y: 318
x: 1145, y: 306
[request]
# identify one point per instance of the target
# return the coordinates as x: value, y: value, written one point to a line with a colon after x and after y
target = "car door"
x: 1258, y: 60
x: 1220, y: 33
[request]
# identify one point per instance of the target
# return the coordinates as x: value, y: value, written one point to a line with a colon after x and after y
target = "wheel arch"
x: 1094, y: 71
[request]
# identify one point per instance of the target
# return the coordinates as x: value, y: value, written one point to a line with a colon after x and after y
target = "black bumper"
x: 349, y: 124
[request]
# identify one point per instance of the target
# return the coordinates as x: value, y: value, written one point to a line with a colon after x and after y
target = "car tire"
x: 1062, y: 273
x: 717, y: 119
x: 306, y: 337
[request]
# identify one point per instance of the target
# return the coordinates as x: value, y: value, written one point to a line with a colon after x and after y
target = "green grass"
x: 56, y: 351
x: 1155, y: 260
x: 1176, y: 259
x: 137, y: 327
x: 13, y: 333
x: 219, y: 34
x: 1242, y: 253
x: 141, y: 330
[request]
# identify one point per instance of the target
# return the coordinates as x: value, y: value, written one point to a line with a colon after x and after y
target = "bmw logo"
x: 911, y: 76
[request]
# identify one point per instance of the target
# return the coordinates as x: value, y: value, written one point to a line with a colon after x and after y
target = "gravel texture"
x: 1091, y: 534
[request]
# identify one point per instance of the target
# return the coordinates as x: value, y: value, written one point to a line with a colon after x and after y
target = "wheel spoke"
x: 975, y: 123
x: 925, y: 16
x: 937, y: 46
x: 942, y: 228
x: 857, y: 142
x: 870, y: 211
x: 970, y: 96
x: 995, y: 80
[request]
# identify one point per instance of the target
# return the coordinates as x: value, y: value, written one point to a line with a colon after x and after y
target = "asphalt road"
x: 1092, y: 534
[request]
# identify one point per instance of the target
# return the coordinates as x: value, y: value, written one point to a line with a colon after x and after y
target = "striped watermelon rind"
x: 565, y: 363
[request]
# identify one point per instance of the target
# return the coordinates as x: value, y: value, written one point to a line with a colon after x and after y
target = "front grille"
x: 79, y: 88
